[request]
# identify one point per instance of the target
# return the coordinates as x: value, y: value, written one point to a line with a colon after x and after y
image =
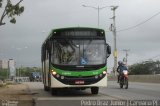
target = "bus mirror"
x: 108, y: 49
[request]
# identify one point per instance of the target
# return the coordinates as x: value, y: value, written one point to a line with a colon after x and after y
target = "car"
x: 35, y: 76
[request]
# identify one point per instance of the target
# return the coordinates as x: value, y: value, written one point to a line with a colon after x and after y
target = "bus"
x: 75, y: 58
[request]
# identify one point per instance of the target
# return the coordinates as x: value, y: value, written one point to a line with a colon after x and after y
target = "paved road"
x: 136, y: 91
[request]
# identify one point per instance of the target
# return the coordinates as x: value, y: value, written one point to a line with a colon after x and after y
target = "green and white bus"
x: 75, y: 58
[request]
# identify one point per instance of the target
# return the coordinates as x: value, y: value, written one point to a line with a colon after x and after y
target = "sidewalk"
x: 17, y: 94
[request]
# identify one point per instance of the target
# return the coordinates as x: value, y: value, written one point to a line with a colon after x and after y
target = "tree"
x: 3, y: 74
x: 10, y: 10
x: 26, y: 71
x: 146, y: 67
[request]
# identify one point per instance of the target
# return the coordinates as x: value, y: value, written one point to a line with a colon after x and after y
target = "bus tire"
x: 126, y: 84
x: 53, y: 91
x: 94, y: 90
x: 46, y: 88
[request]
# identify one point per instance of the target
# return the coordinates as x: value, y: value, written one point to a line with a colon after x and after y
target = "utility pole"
x: 98, y: 16
x: 97, y: 8
x: 126, y: 50
x: 113, y: 28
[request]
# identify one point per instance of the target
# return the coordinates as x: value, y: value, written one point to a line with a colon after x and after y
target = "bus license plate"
x: 79, y: 82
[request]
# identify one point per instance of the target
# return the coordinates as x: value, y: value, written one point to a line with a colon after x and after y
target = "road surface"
x: 136, y: 91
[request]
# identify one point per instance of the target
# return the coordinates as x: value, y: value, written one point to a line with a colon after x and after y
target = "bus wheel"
x: 126, y: 84
x: 53, y: 91
x: 46, y: 88
x: 94, y: 90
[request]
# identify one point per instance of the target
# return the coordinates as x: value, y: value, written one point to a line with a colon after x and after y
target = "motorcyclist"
x: 121, y: 67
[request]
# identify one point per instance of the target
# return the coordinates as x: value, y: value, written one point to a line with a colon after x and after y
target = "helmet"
x: 120, y: 62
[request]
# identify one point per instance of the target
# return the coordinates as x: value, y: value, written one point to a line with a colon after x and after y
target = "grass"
x: 2, y: 85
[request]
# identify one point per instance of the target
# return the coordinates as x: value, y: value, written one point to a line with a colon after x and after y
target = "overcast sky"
x: 23, y: 40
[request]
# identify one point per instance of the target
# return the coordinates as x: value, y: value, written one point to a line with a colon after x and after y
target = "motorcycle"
x: 124, y: 79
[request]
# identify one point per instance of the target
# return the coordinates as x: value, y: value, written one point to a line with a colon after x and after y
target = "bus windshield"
x: 78, y: 52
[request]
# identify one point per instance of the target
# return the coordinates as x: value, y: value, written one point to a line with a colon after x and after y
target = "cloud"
x: 40, y: 16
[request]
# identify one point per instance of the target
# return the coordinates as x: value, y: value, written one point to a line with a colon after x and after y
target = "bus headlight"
x: 96, y: 76
x: 104, y: 72
x: 62, y: 77
x: 100, y: 75
x: 57, y: 75
x: 54, y: 73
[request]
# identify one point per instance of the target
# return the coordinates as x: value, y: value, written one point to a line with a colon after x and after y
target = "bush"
x: 3, y: 74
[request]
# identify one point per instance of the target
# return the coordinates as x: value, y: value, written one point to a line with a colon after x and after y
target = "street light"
x: 126, y: 58
x: 97, y: 8
x: 19, y: 49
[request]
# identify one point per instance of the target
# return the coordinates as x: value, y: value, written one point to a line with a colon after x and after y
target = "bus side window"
x: 46, y: 55
x: 52, y: 52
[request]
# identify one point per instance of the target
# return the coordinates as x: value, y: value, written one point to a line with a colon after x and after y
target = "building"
x: 3, y: 64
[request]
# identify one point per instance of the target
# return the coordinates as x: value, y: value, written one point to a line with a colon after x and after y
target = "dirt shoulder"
x: 17, y: 94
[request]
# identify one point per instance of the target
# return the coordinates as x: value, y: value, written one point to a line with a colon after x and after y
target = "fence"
x: 140, y: 78
x: 21, y: 79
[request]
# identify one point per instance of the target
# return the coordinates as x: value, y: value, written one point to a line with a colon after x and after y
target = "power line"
x: 132, y: 27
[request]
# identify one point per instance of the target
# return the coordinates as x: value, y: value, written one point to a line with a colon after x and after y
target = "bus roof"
x: 70, y: 28
x: 76, y: 28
